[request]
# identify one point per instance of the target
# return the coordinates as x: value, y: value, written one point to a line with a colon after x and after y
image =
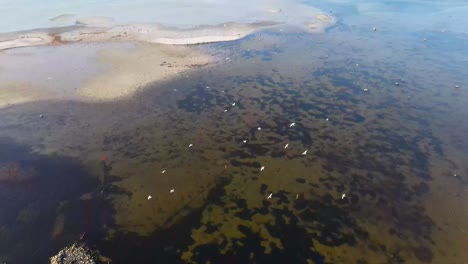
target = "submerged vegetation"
x: 346, y: 147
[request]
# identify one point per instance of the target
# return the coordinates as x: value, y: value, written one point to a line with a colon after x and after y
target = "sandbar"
x: 166, y: 23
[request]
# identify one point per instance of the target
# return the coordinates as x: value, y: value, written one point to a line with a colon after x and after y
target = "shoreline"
x: 128, y: 72
x: 177, y: 26
x: 92, y: 72
x: 149, y: 33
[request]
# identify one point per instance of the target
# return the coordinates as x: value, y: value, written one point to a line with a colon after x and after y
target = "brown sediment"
x: 59, y: 226
x: 56, y: 41
x: 15, y: 172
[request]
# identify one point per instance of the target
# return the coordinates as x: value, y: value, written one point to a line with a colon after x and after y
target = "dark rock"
x: 77, y: 254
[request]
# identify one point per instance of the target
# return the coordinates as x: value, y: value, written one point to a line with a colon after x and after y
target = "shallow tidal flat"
x: 278, y: 147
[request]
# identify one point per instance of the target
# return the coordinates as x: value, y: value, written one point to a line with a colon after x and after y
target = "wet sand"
x: 102, y: 71
x: 134, y: 69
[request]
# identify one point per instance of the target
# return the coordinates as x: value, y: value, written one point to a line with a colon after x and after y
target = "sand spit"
x: 143, y: 33
x: 162, y: 35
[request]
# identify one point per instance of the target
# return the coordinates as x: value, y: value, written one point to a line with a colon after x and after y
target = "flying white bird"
x: 262, y: 168
x: 292, y: 124
x: 269, y: 196
x: 172, y: 191
x: 164, y: 171
x: 343, y: 196
x: 305, y: 152
x: 286, y: 146
x: 190, y: 145
x: 149, y: 197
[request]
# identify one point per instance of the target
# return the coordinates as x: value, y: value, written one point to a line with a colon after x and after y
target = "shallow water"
x: 393, y: 150
x: 27, y: 14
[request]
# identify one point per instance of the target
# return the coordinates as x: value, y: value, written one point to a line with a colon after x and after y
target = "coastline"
x: 151, y: 33
x: 154, y: 44
x: 92, y: 72
x: 174, y: 24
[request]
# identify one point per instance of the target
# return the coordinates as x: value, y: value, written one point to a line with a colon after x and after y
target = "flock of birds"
x: 262, y: 168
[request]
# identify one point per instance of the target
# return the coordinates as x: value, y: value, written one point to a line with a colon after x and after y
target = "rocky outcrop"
x: 77, y: 254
